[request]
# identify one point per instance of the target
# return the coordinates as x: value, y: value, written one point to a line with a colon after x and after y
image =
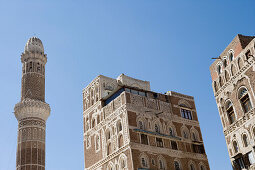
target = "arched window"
x: 157, y: 128
x: 177, y: 165
x: 225, y: 63
x: 171, y: 131
x: 119, y: 126
x: 226, y: 76
x: 240, y: 63
x: 192, y: 167
x: 235, y: 146
x: 220, y: 81
x: 219, y: 69
x: 202, y: 167
x: 231, y: 57
x: 244, y: 99
x: 194, y: 137
x: 93, y: 123
x: 123, y: 163
x: 245, y: 140
x: 120, y: 141
x: 152, y: 161
x: 109, y: 149
x: 185, y: 134
x: 161, y: 164
x: 215, y: 86
x: 230, y: 112
x: 108, y: 135
x: 141, y: 125
x: 233, y: 70
x: 144, y: 162
x: 98, y: 119
x: 97, y: 142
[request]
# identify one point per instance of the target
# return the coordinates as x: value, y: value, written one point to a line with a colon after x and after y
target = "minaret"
x: 32, y: 111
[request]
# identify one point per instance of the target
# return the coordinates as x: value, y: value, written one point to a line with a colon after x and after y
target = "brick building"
x: 233, y: 82
x: 128, y: 126
x: 32, y: 111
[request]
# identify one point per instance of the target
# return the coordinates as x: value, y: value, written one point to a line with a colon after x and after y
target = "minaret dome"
x: 34, y: 44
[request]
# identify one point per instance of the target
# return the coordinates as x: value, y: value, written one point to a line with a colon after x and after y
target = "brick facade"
x: 127, y: 126
x: 32, y: 111
x: 233, y: 85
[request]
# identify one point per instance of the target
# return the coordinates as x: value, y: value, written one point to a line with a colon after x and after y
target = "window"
x: 157, y: 129
x: 144, y: 139
x: 161, y: 164
x: 134, y: 91
x: 231, y: 57
x: 194, y: 137
x: 177, y: 165
x: 108, y: 135
x: 38, y: 67
x: 245, y: 140
x: 185, y: 134
x: 192, y: 167
x: 152, y: 161
x: 202, y: 167
x: 120, y: 141
x: 144, y: 162
x: 225, y: 63
x: 174, y: 145
x: 186, y: 114
x: 235, y: 146
x: 142, y: 93
x: 244, y: 99
x: 159, y: 142
x: 93, y: 123
x: 198, y: 148
x: 97, y: 142
x: 219, y: 69
x: 119, y: 127
x: 141, y: 125
x: 171, y: 132
x: 239, y: 163
x: 230, y: 112
x: 109, y: 149
x: 122, y: 163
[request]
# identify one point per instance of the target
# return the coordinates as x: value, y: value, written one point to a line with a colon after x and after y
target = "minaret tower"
x: 32, y: 111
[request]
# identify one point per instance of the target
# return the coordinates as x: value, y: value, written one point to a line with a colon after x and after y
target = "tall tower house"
x: 32, y: 111
x: 129, y: 127
x: 233, y: 81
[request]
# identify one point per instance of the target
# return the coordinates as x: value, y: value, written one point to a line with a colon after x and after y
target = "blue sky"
x: 169, y: 43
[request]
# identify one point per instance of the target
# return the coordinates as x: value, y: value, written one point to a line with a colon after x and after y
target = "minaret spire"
x: 32, y: 111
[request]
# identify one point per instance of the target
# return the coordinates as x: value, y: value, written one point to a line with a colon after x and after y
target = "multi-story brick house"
x: 128, y: 126
x: 233, y: 81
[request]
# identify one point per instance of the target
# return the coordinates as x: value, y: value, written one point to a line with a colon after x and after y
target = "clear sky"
x: 169, y: 43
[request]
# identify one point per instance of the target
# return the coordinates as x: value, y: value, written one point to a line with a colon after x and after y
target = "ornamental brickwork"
x: 233, y: 85
x: 32, y: 111
x: 127, y: 126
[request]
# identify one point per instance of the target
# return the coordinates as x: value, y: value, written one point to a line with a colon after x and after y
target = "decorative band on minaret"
x: 32, y: 111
